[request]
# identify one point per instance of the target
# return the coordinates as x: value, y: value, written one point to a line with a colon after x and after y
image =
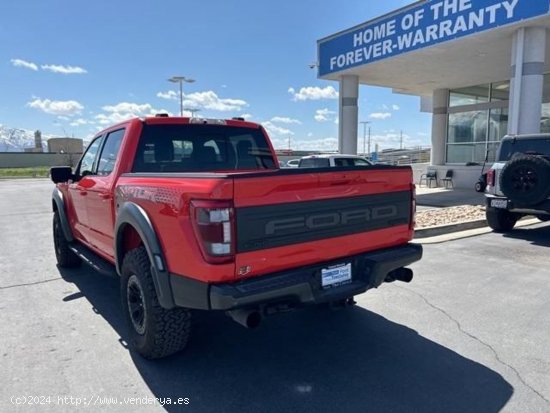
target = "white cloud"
x: 210, y: 100
x: 275, y: 131
x: 313, y: 93
x: 286, y: 120
x: 324, y: 115
x: 205, y: 100
x: 380, y: 115
x: 65, y: 70
x: 80, y: 122
x: 127, y: 110
x: 24, y: 63
x: 56, y: 107
x: 395, y: 107
x: 246, y: 116
x: 169, y: 95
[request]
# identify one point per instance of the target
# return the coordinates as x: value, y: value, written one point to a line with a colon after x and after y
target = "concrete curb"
x: 462, y: 230
x: 445, y: 229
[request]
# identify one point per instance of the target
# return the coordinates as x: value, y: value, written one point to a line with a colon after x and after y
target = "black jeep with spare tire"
x: 518, y: 183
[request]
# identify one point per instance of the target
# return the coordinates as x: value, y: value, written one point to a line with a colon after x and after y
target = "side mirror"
x: 61, y: 174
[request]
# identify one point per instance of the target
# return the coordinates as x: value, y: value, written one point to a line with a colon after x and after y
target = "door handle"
x: 105, y: 196
x: 83, y: 193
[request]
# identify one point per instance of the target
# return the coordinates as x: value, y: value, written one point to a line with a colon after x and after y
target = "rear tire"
x: 501, y: 220
x: 526, y: 179
x: 154, y: 331
x: 66, y: 258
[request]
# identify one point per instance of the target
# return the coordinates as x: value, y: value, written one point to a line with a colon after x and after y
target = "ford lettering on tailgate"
x: 277, y: 225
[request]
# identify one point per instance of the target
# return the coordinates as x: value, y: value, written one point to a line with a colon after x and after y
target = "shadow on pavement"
x: 539, y: 235
x: 313, y: 360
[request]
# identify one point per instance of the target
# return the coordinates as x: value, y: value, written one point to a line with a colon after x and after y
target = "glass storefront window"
x: 468, y: 127
x: 545, y: 118
x: 469, y: 95
x: 546, y: 88
x: 498, y: 124
x: 464, y: 153
x: 500, y: 91
x: 471, y: 133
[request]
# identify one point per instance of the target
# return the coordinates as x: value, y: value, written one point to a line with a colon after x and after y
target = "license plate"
x: 499, y: 203
x: 336, y: 275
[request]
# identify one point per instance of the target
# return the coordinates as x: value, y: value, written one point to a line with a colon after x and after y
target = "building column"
x: 526, y: 83
x: 348, y: 115
x: 440, y: 102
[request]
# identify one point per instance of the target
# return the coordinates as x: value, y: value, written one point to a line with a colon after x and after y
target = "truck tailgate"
x: 301, y: 217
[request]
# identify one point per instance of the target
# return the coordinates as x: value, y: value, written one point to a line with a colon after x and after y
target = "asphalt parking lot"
x: 469, y: 334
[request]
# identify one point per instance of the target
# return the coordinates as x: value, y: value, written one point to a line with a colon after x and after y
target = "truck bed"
x: 283, y: 219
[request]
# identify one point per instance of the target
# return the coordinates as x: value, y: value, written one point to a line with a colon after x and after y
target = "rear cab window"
x: 536, y: 146
x: 201, y: 148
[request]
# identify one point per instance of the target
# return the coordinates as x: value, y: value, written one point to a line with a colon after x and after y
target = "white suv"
x: 518, y: 183
x: 328, y: 161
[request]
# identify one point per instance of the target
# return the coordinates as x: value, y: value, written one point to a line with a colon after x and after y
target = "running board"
x: 90, y: 258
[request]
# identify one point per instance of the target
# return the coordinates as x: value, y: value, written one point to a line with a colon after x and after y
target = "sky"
x: 70, y: 67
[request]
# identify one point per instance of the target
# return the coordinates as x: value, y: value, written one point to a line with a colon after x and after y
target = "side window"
x: 87, y: 162
x: 360, y: 162
x: 109, y: 152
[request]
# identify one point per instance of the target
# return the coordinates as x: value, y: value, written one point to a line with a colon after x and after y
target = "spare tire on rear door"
x: 526, y: 179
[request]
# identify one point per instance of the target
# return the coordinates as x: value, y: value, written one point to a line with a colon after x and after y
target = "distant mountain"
x: 16, y: 140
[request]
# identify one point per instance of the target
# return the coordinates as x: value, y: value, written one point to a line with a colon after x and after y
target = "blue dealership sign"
x: 430, y: 23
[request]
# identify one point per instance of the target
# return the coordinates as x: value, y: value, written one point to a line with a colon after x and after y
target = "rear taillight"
x: 491, y: 177
x: 213, y: 222
x: 413, y: 207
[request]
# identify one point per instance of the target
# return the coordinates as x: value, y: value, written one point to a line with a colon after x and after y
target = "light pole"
x: 365, y: 123
x: 180, y: 80
x: 192, y: 110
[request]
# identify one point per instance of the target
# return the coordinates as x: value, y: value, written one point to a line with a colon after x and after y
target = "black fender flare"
x: 132, y: 214
x: 58, y: 203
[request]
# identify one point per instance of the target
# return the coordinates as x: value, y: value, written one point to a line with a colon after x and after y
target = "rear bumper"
x: 299, y: 286
x: 502, y: 202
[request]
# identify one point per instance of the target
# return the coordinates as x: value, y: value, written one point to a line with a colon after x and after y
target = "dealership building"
x: 479, y: 66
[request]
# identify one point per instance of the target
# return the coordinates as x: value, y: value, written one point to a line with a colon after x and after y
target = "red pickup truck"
x: 195, y: 214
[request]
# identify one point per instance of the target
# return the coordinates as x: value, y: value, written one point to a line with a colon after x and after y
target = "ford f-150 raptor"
x: 195, y: 214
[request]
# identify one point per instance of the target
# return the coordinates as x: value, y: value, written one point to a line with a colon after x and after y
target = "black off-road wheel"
x: 526, y: 179
x: 66, y: 258
x: 501, y: 220
x: 154, y: 332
